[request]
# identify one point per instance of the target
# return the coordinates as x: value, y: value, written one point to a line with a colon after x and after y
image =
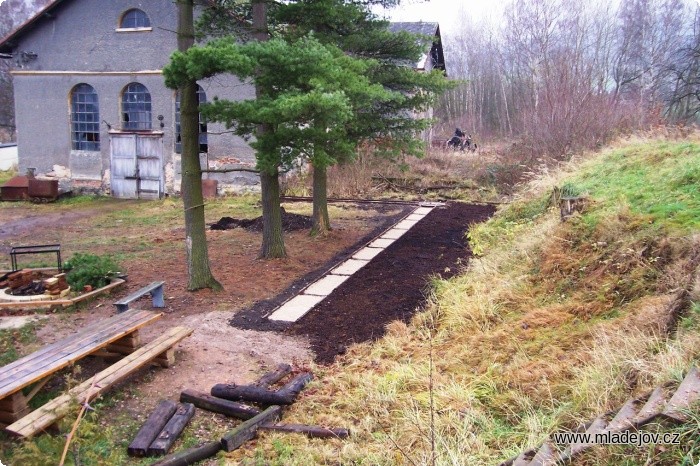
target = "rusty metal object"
x: 43, y: 190
x: 16, y: 189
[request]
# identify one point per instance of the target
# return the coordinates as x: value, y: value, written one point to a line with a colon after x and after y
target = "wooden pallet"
x: 118, y: 334
x: 155, y: 351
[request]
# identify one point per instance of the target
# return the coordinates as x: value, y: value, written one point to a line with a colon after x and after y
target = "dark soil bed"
x: 392, y: 286
x: 290, y: 222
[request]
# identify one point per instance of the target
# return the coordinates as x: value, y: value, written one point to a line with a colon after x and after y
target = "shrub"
x: 90, y: 269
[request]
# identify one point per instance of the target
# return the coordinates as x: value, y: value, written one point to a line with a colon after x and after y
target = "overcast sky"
x: 446, y: 12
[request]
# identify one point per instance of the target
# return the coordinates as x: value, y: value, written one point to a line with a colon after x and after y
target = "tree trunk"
x: 273, y: 241
x: 322, y: 224
x: 198, y: 271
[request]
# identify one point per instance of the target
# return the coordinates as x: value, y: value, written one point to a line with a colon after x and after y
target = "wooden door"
x: 136, y: 165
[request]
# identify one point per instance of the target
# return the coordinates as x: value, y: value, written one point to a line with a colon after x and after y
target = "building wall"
x: 80, y: 44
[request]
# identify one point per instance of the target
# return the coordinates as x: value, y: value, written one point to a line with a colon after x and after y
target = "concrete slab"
x: 295, y: 308
x: 380, y: 243
x: 367, y: 253
x: 14, y: 322
x: 349, y: 267
x: 326, y: 285
x: 394, y: 234
x: 405, y: 224
x: 423, y: 210
x: 415, y: 217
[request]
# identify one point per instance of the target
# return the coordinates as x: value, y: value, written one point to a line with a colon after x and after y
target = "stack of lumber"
x: 56, y: 284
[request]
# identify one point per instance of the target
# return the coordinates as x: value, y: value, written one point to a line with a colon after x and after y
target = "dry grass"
x: 555, y: 323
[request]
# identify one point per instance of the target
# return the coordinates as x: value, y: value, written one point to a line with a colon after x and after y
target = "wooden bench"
x: 156, y: 290
x: 160, y: 350
x: 118, y: 334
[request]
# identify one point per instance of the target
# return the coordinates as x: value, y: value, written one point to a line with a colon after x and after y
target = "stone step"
x: 687, y: 394
x: 652, y: 408
x: 547, y: 455
x: 597, y: 426
x: 623, y: 419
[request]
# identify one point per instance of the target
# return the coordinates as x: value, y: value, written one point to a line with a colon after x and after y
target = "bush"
x: 90, y: 269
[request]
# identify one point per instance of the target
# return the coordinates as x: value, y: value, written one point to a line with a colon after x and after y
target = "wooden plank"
x: 115, y: 283
x: 33, y: 369
x: 80, y: 335
x: 190, y: 456
x: 218, y: 405
x: 687, y: 394
x: 151, y: 428
x: 309, y: 431
x: 248, y: 430
x: 59, y: 407
x: 172, y: 430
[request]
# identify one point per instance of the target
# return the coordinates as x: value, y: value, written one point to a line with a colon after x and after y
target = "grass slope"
x: 555, y: 323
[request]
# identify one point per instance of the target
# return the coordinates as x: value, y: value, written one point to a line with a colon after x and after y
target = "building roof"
x: 426, y: 29
x: 420, y: 27
x: 7, y: 43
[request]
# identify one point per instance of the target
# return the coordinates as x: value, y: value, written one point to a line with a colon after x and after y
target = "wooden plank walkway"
x: 57, y: 408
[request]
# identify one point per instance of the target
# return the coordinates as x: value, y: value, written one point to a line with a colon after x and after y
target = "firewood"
x: 275, y: 376
x: 172, y: 430
x: 284, y: 396
x: 311, y: 431
x: 218, y: 405
x: 297, y: 384
x: 251, y: 393
x: 152, y: 428
x: 190, y: 456
x: 248, y: 430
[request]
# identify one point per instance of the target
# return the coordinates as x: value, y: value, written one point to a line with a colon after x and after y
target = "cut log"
x: 311, y: 431
x: 275, y: 376
x: 190, y: 456
x: 172, y: 430
x: 296, y: 385
x: 251, y: 393
x: 284, y: 396
x: 218, y: 405
x: 248, y: 430
x: 152, y: 428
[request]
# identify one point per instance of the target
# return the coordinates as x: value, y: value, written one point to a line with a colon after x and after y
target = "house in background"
x: 92, y: 109
x: 432, y: 58
x: 91, y: 106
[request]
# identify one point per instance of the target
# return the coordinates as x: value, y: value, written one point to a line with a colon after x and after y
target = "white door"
x: 136, y: 165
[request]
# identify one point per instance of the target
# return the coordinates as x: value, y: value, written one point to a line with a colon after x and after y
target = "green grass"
x: 10, y: 339
x: 660, y: 181
x: 6, y: 175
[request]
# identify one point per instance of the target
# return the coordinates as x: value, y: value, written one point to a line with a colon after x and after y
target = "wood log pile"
x: 27, y: 282
x: 160, y: 431
x: 56, y: 284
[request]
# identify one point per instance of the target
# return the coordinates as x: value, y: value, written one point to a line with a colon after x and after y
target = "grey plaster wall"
x: 81, y: 35
x: 80, y: 44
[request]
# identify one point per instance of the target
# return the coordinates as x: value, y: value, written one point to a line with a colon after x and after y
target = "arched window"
x: 135, y: 19
x: 85, y: 118
x: 203, y: 145
x: 136, y: 107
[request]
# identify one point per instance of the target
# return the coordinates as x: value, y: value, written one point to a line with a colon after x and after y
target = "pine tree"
x: 198, y: 270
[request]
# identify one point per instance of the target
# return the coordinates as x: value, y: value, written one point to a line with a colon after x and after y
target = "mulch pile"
x: 290, y: 222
